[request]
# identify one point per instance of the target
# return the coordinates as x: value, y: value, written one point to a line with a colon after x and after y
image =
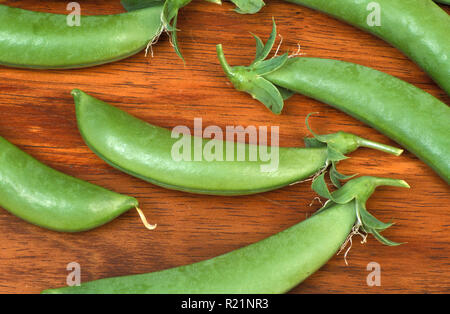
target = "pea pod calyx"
x: 359, y: 191
x: 338, y: 145
x: 250, y: 79
x: 169, y: 17
x: 171, y: 8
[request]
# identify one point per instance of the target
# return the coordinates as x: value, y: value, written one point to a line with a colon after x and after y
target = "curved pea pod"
x: 411, y: 117
x: 150, y: 153
x: 53, y: 41
x: 44, y: 40
x: 274, y: 265
x: 53, y: 200
x: 419, y: 28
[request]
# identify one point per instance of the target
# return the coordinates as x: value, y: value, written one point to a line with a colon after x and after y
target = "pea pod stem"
x: 362, y: 142
x: 391, y: 182
x: 274, y: 265
x: 223, y: 62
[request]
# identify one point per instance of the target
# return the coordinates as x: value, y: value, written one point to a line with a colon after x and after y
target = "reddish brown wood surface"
x: 37, y: 114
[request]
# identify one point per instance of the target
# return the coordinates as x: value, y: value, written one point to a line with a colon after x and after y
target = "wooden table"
x: 37, y: 114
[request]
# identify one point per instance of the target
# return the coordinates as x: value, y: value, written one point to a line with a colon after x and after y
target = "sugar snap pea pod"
x: 44, y: 40
x: 419, y: 28
x: 274, y: 265
x: 147, y: 152
x: 52, y: 200
x: 413, y: 118
x: 48, y: 41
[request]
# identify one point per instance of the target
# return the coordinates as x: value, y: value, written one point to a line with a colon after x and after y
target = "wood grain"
x: 37, y: 114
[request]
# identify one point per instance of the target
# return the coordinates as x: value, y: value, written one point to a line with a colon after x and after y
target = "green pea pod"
x: 50, y: 41
x: 147, y: 152
x: 411, y: 117
x: 419, y: 28
x: 274, y: 265
x: 52, y: 200
x: 46, y: 41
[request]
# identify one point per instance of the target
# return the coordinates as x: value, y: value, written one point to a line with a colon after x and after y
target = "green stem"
x: 363, y: 195
x: 391, y: 182
x: 223, y: 61
x: 362, y: 142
